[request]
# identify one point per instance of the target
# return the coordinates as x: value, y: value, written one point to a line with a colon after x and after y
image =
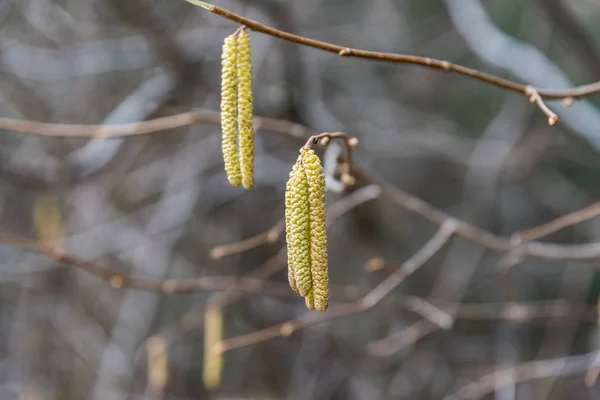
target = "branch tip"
x: 534, y: 97
x: 202, y: 4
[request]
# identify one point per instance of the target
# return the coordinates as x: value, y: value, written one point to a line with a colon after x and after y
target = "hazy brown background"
x: 155, y: 205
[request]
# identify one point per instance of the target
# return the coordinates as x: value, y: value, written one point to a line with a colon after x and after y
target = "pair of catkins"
x: 305, y: 216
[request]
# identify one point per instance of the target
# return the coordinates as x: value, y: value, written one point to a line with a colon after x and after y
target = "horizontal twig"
x: 574, y: 93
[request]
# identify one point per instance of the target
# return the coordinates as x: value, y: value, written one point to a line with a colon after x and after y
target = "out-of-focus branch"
x: 525, y: 372
x: 337, y: 209
x: 578, y: 92
x: 589, y: 251
x: 107, y: 131
x: 559, y: 223
x: 123, y: 281
x: 367, y: 302
x: 534, y: 97
x: 144, y: 127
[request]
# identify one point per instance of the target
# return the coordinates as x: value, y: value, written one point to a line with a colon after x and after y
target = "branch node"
x: 287, y: 329
x: 568, y: 101
x: 345, y: 52
x: 117, y: 281
x: 375, y: 264
x: 534, y: 97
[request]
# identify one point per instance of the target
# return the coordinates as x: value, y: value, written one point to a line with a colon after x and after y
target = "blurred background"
x: 155, y: 205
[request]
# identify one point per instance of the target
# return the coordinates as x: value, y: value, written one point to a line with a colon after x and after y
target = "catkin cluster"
x: 236, y: 109
x: 306, y: 235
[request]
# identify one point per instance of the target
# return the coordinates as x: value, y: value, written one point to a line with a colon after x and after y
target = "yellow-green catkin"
x: 288, y: 217
x: 306, y: 232
x: 213, y: 357
x: 298, y: 228
x: 245, y: 108
x: 318, y: 228
x: 229, y: 110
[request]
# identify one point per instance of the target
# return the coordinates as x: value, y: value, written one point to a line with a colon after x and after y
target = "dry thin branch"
x: 588, y: 251
x: 515, y: 312
x: 564, y: 221
x: 525, y: 372
x: 123, y: 281
x: 107, y: 131
x: 575, y: 93
x: 346, y: 166
x: 534, y: 97
x: 160, y: 124
x: 370, y: 300
x: 403, y: 338
x: 270, y: 236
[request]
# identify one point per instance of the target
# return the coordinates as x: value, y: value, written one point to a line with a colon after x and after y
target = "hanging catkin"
x: 213, y: 358
x: 237, y: 109
x: 306, y: 233
x: 229, y: 110
x: 245, y: 108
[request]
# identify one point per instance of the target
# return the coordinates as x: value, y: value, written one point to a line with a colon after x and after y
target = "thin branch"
x: 367, y: 302
x: 525, y: 372
x: 564, y: 221
x: 268, y: 237
x: 124, y: 281
x: 106, y: 131
x: 156, y: 125
x: 402, y: 339
x: 549, y: 251
x: 535, y: 97
x: 577, y: 92
x: 346, y: 166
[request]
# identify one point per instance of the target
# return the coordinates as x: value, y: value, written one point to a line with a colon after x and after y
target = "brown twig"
x: 107, y: 131
x: 564, y: 221
x: 368, y: 301
x: 402, y: 339
x: 124, y: 281
x: 156, y: 125
x: 577, y: 92
x: 346, y: 166
x: 270, y: 236
x: 534, y: 97
x: 549, y: 251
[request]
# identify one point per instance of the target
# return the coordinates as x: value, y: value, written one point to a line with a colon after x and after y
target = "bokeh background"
x: 156, y: 205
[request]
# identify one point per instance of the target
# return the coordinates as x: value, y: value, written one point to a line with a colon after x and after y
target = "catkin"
x: 298, y: 228
x: 318, y: 229
x: 213, y: 359
x: 237, y: 110
x: 289, y: 190
x: 245, y: 108
x: 306, y: 233
x: 229, y: 110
